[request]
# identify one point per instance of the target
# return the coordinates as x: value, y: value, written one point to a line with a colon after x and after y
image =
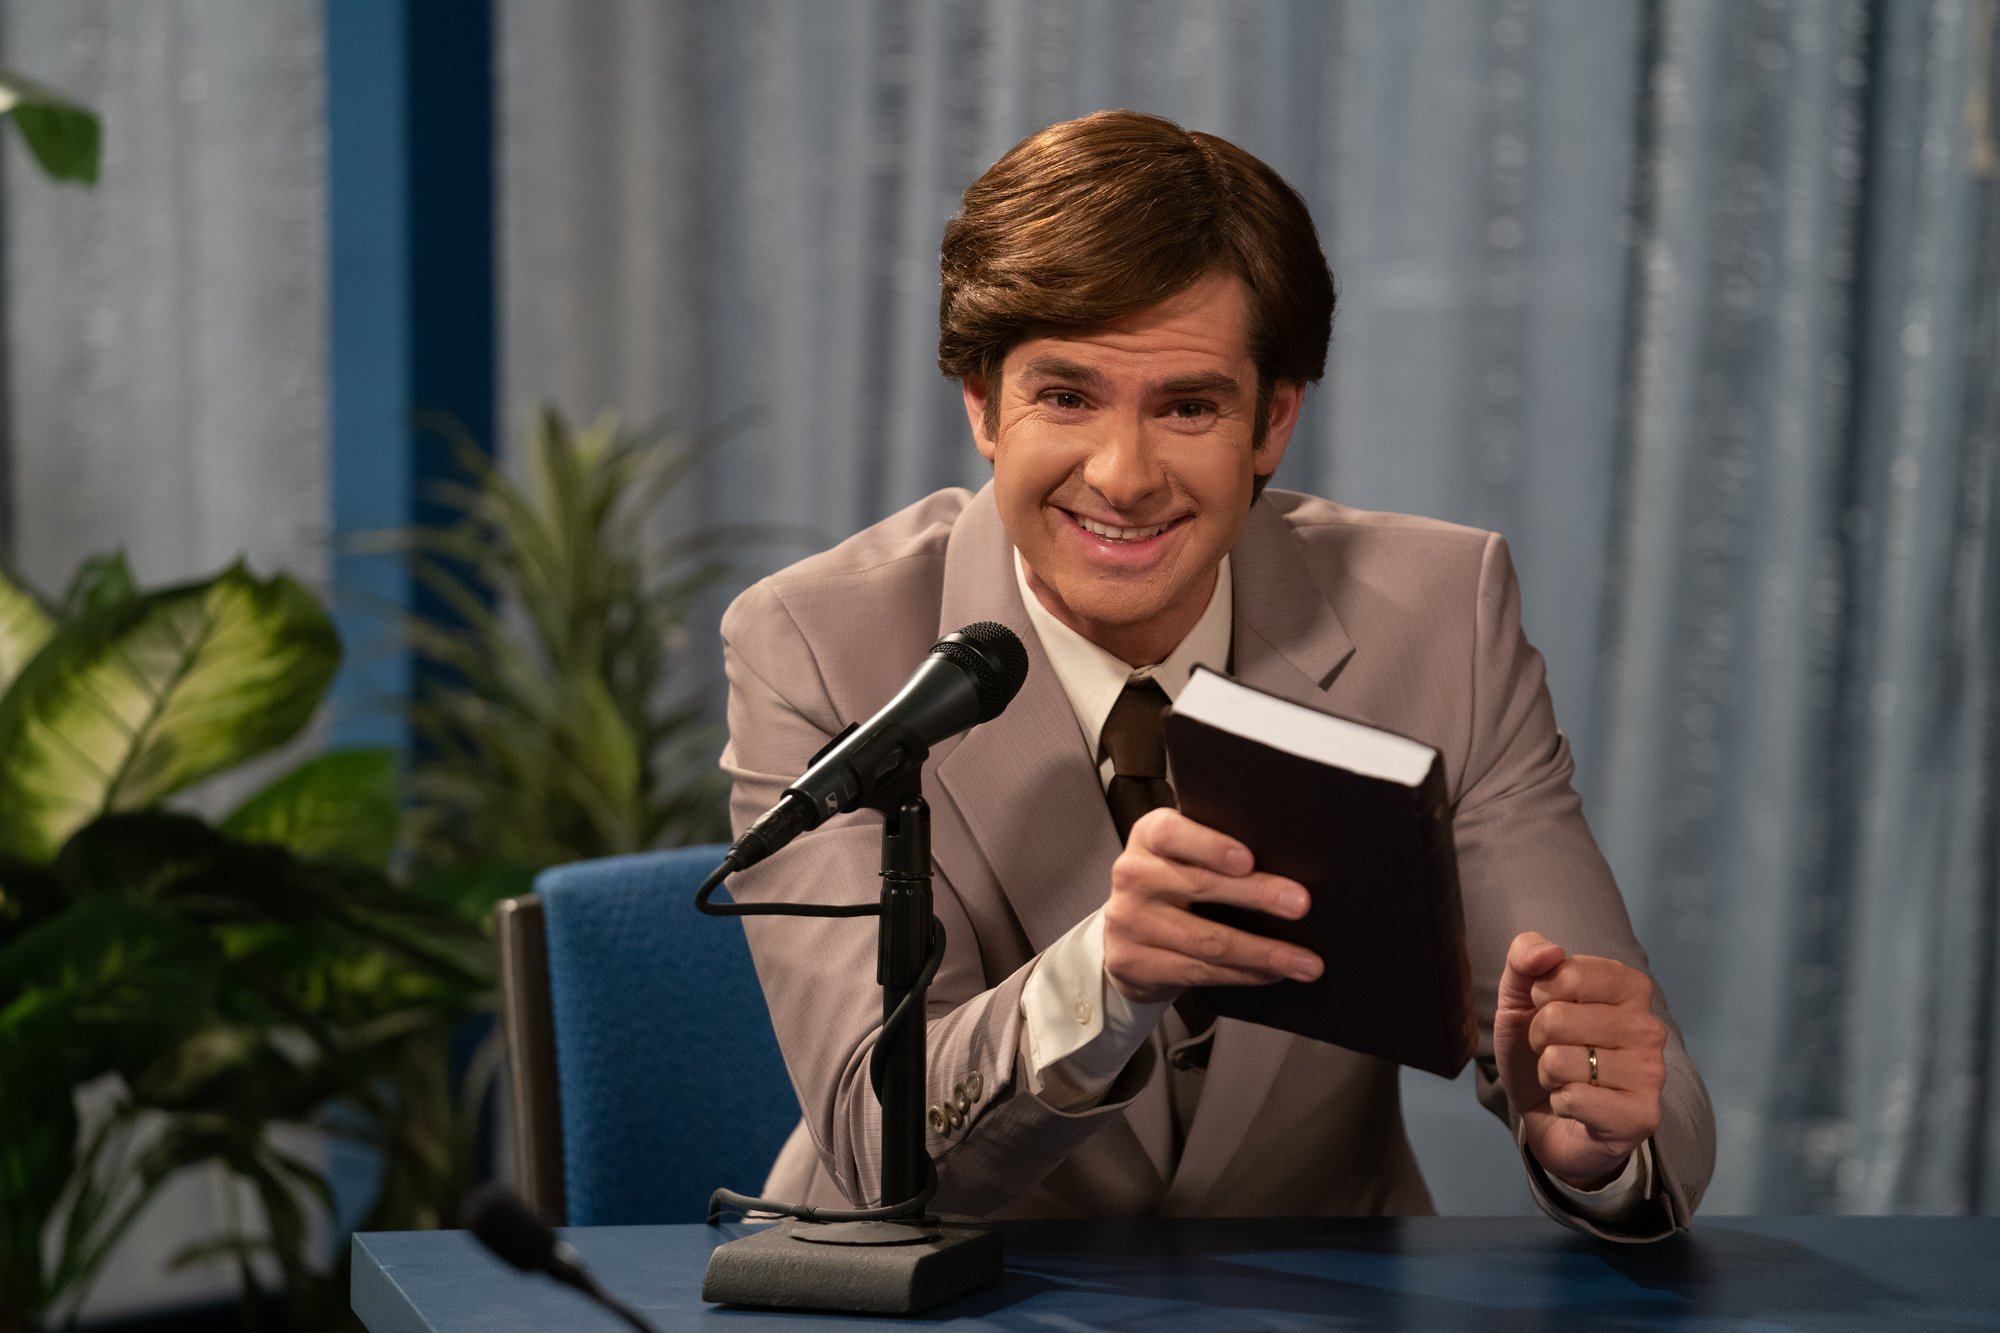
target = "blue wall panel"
x: 410, y: 190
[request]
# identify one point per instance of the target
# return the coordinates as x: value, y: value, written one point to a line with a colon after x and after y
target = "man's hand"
x: 1155, y: 948
x: 1554, y: 1011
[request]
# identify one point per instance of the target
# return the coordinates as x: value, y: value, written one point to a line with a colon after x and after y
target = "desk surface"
x: 1416, y: 1273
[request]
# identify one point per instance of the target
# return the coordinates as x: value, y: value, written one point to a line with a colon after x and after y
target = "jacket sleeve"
x: 818, y: 974
x: 1527, y: 861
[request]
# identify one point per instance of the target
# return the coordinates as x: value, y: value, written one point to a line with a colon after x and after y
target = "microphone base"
x: 858, y: 1268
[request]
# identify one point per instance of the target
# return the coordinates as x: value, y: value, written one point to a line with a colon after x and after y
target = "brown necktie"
x: 1134, y: 739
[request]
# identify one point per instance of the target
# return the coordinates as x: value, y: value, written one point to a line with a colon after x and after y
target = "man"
x: 1134, y: 313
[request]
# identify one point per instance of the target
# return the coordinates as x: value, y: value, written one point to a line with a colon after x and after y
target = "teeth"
x: 1120, y: 534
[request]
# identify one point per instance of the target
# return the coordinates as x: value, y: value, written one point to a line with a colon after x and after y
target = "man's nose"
x: 1124, y: 466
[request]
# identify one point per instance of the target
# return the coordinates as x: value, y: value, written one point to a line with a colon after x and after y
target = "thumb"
x: 1530, y: 956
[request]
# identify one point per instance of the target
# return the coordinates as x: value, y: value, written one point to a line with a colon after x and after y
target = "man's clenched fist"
x: 1556, y: 1013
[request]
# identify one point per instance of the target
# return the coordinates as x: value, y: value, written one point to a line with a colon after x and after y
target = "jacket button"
x: 940, y: 1122
x: 975, y: 1086
x: 960, y: 1101
x: 957, y: 1116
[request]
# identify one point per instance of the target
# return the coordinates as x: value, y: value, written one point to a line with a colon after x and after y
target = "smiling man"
x: 1134, y: 313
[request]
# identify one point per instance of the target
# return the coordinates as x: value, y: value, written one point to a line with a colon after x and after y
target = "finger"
x: 1213, y: 943
x: 1272, y: 894
x: 1593, y: 980
x: 1613, y: 1117
x: 1168, y: 833
x: 1207, y: 942
x: 1150, y: 878
x: 1154, y: 974
x: 1605, y: 1026
x: 1528, y: 957
x: 1615, y: 1068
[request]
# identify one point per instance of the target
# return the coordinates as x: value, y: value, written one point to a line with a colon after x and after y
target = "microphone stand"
x: 901, y: 945
x: 877, y: 1267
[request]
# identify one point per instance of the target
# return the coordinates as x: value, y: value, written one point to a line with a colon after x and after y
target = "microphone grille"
x: 995, y: 658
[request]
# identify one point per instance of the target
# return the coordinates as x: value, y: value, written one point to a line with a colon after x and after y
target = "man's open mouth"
x: 1117, y: 534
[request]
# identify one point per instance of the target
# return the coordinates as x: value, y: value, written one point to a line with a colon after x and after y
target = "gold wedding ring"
x: 1591, y: 1052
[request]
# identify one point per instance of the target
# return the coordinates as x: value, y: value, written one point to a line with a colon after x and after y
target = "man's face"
x: 1123, y: 463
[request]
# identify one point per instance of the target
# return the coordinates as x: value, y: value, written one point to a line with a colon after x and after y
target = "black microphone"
x: 967, y: 678
x: 508, y: 1227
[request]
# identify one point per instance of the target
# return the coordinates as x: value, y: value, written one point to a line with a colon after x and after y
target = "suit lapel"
x: 1024, y: 783
x: 1289, y: 641
x: 1287, y: 637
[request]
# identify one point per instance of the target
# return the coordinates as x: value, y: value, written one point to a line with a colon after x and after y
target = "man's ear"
x: 973, y: 387
x: 1286, y: 398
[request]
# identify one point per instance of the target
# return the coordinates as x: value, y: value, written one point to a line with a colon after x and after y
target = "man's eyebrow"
x: 1047, y: 367
x: 1212, y: 382
x: 1056, y: 368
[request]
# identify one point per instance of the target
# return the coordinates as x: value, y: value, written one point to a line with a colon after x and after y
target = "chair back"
x: 645, y: 1070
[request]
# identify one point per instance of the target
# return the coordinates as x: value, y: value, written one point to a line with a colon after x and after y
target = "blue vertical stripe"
x: 410, y: 198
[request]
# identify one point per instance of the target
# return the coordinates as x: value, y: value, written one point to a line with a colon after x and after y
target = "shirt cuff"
x: 1633, y: 1187
x: 1077, y: 1031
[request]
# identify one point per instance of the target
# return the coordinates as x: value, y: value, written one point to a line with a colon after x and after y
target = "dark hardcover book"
x: 1357, y: 815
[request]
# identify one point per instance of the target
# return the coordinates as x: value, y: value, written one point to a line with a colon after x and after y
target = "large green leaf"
x: 231, y: 886
x: 136, y: 700
x: 24, y: 628
x: 342, y: 804
x: 63, y: 135
x: 100, y: 988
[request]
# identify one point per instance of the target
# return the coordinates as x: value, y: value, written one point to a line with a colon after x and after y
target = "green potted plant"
x: 218, y: 979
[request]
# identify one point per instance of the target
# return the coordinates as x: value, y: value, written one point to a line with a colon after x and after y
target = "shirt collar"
x: 1093, y: 678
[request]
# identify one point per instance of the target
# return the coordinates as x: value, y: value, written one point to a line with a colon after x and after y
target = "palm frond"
x: 567, y: 607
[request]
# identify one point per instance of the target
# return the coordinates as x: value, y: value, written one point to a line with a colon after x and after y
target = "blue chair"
x: 645, y: 1072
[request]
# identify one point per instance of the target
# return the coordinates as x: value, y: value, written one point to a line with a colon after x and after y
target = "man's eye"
x: 1063, y: 400
x: 1192, y: 411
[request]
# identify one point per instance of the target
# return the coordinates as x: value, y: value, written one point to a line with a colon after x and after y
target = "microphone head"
x: 993, y: 657
x: 508, y: 1227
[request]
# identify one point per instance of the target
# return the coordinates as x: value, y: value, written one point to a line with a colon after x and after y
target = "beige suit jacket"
x: 1405, y: 622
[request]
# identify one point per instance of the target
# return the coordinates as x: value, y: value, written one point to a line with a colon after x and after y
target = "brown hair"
x: 1094, y: 219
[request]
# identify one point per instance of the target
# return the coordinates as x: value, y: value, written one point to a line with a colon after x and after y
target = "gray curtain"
x: 1799, y: 738
x: 1696, y: 300
x: 166, y: 330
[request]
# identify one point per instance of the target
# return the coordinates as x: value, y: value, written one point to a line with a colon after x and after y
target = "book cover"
x: 1359, y: 817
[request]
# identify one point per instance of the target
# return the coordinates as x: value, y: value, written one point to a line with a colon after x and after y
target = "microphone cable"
x: 725, y: 1201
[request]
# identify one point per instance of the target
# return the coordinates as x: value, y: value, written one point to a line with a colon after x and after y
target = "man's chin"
x: 1106, y: 622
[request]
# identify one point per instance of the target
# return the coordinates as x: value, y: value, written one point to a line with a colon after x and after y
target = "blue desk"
x: 1818, y: 1273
